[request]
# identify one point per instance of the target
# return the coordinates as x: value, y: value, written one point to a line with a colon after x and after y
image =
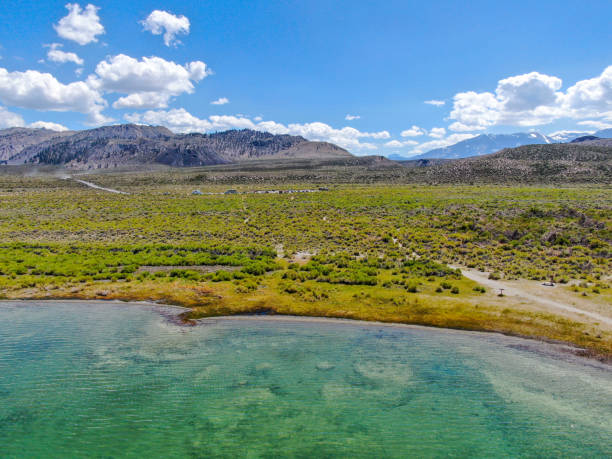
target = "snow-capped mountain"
x: 485, y: 144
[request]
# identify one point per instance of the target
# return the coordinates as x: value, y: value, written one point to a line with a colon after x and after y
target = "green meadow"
x: 373, y: 251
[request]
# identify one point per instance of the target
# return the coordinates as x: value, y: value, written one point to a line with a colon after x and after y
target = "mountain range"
x: 129, y: 144
x: 485, y: 144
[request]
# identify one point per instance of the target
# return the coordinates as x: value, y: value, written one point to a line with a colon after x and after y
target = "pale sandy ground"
x: 558, y: 299
x: 97, y: 187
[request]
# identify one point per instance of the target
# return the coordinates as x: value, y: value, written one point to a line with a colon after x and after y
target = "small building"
x: 231, y: 192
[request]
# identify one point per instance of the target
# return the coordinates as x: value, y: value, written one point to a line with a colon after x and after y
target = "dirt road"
x: 513, y: 290
x: 98, y: 187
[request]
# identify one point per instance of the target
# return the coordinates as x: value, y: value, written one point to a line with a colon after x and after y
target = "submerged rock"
x: 325, y: 366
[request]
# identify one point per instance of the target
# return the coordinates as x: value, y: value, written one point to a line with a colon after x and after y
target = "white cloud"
x: 159, y: 22
x: 42, y: 91
x: 180, y: 120
x: 351, y: 117
x: 596, y: 124
x: 149, y: 83
x: 414, y: 131
x: 400, y: 144
x: 532, y: 99
x: 57, y: 55
x: 10, y: 119
x: 48, y: 125
x: 474, y: 111
x: 592, y: 97
x: 437, y: 103
x: 437, y: 132
x: 528, y: 91
x: 81, y: 26
x: 220, y: 101
x: 394, y: 144
x: 139, y: 100
x: 177, y: 120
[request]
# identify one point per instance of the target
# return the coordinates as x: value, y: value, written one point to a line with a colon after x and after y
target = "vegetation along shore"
x: 362, y: 251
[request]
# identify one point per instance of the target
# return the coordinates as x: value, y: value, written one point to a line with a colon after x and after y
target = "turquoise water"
x: 111, y: 380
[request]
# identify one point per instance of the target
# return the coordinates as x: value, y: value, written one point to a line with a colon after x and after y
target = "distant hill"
x: 129, y: 144
x: 410, y: 163
x: 396, y: 157
x: 592, y: 140
x: 584, y: 138
x: 485, y: 144
x: 551, y: 163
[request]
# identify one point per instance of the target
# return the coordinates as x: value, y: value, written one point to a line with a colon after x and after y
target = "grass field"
x: 368, y: 251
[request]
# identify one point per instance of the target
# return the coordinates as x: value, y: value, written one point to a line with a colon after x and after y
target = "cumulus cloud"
x: 220, y: 101
x: 597, y: 124
x: 9, y: 119
x: 159, y: 22
x: 42, y: 91
x: 48, y: 125
x: 414, y: 131
x: 180, y: 120
x: 532, y: 99
x: 592, y: 97
x: 81, y: 26
x: 351, y: 117
x: 400, y: 144
x: 57, y: 55
x: 149, y: 82
x: 437, y: 132
x: 436, y: 103
x: 138, y: 100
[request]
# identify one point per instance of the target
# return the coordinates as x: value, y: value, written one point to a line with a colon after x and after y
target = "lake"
x: 96, y: 379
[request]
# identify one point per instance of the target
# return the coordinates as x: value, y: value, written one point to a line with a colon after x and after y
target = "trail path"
x: 98, y: 187
x: 511, y: 290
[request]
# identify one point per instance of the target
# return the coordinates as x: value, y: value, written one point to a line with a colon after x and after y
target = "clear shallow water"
x: 109, y: 380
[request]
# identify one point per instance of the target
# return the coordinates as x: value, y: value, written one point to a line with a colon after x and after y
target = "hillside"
x: 593, y: 140
x: 14, y: 140
x: 485, y: 144
x: 125, y: 145
x: 554, y: 163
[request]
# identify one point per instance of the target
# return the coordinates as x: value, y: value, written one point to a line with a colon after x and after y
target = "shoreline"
x: 550, y: 347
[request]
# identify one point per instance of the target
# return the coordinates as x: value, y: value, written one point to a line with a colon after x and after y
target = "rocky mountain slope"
x: 14, y: 140
x: 126, y: 145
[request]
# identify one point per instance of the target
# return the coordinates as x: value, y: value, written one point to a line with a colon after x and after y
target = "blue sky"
x: 302, y: 67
